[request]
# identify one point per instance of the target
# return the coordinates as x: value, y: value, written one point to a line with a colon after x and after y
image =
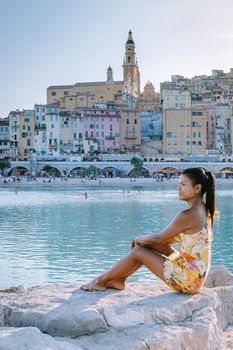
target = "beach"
x: 107, y: 183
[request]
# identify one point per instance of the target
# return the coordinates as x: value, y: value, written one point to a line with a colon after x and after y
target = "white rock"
x: 30, y: 338
x: 219, y: 276
x: 145, y: 315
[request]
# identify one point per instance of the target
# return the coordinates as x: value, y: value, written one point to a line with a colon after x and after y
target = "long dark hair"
x: 207, y: 182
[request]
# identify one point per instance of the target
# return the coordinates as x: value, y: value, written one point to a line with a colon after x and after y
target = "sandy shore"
x: 109, y: 183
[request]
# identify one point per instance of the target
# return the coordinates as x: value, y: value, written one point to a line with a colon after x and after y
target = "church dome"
x: 130, y: 39
x: 130, y: 42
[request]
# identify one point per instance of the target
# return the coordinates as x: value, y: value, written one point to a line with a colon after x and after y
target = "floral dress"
x: 185, y: 271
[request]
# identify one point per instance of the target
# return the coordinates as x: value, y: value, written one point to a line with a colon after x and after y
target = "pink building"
x: 102, y: 126
x: 210, y: 122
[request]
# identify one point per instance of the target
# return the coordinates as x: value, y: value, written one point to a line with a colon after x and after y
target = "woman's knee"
x: 138, y: 251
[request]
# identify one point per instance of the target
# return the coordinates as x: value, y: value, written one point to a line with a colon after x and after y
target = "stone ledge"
x: 144, y: 316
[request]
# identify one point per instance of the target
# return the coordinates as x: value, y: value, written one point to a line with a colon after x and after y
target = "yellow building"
x: 87, y: 94
x: 130, y: 133
x: 26, y: 133
x: 184, y: 131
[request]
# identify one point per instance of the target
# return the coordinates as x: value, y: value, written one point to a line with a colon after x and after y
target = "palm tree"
x: 4, y: 164
x: 93, y: 171
x: 137, y: 164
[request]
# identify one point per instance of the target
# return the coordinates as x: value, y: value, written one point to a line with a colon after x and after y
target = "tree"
x: 50, y: 170
x: 4, y: 164
x: 93, y: 171
x: 137, y: 164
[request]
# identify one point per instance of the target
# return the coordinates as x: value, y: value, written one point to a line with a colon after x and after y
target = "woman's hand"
x: 140, y: 240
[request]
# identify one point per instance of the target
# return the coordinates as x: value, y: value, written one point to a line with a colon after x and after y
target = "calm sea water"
x: 54, y: 235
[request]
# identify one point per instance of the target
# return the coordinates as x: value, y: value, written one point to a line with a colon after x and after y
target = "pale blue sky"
x: 52, y: 42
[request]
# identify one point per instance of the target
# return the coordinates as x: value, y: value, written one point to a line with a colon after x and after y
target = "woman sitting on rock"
x: 184, y: 271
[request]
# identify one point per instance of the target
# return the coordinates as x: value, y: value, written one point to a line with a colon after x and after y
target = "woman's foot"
x: 95, y: 284
x: 116, y: 284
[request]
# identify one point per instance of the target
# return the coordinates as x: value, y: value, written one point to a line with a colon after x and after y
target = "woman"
x: 184, y: 271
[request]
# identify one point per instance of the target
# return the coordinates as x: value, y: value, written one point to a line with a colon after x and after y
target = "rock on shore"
x: 144, y: 316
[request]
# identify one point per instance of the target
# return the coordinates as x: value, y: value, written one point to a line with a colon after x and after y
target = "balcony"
x: 91, y: 138
x: 40, y: 127
x: 110, y: 137
x: 130, y: 137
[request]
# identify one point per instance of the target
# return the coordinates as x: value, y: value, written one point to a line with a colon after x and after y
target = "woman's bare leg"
x: 164, y: 249
x: 125, y: 267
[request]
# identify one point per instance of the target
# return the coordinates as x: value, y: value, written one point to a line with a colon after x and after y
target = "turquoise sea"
x: 52, y: 234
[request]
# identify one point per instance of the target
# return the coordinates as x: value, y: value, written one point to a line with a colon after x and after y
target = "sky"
x: 59, y: 42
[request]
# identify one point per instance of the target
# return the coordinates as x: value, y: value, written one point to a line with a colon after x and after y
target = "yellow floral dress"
x: 186, y: 270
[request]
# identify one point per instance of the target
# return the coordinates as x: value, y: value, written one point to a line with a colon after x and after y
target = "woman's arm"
x: 179, y: 224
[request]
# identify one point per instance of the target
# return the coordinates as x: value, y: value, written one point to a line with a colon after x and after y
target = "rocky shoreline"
x: 144, y: 316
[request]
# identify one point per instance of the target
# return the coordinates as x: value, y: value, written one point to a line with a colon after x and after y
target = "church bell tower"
x: 131, y: 73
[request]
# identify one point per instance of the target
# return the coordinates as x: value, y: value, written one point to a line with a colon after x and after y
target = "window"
x: 66, y: 93
x: 127, y: 121
x: 199, y: 114
x: 26, y: 120
x: 169, y: 134
x: 28, y: 142
x: 135, y: 121
x: 53, y: 93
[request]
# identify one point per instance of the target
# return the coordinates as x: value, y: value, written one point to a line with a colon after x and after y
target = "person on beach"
x: 184, y: 271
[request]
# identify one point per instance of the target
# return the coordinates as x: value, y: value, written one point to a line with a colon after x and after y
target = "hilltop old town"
x: 188, y: 117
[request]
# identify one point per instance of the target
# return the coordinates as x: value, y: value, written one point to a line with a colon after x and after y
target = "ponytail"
x: 206, y: 179
x: 210, y: 200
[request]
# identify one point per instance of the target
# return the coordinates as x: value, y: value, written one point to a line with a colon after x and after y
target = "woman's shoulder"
x: 187, y: 214
x: 197, y: 220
